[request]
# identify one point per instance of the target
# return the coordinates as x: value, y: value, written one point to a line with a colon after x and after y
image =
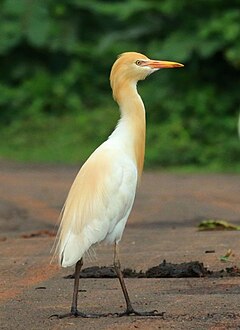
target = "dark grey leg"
x: 74, y: 311
x: 129, y: 310
x: 76, y: 286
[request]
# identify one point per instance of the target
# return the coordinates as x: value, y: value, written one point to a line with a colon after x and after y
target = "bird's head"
x: 131, y: 67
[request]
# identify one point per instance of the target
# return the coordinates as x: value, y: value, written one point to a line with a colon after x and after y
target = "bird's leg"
x: 117, y: 267
x: 76, y: 286
x: 74, y: 311
x: 129, y: 310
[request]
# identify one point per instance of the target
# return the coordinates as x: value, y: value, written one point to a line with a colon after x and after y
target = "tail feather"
x: 76, y: 245
x: 73, y: 250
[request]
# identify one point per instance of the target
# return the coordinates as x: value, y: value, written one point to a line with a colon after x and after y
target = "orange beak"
x: 162, y: 64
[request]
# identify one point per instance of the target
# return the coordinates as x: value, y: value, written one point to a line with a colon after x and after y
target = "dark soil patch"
x: 40, y: 233
x: 163, y: 270
x: 185, y: 269
x: 227, y: 272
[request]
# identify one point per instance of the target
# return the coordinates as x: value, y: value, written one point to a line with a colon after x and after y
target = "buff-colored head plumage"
x: 131, y: 67
x: 126, y: 69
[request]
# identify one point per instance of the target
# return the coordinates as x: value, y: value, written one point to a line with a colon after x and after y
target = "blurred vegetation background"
x: 55, y: 60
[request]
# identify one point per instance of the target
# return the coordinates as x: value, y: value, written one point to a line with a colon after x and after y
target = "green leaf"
x: 37, y: 24
x: 217, y: 225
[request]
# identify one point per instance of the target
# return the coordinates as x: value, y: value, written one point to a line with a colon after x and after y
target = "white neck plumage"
x: 131, y: 128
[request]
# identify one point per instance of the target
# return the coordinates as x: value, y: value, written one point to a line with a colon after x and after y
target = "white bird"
x: 102, y: 195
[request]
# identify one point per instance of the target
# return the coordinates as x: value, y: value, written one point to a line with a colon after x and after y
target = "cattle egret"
x: 103, y: 192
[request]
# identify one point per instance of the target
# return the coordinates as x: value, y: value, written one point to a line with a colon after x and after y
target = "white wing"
x: 98, y: 203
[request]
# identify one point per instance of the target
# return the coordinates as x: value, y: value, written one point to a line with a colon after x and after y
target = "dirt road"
x: 163, y: 225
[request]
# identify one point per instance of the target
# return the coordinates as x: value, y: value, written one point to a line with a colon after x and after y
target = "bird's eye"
x: 138, y: 62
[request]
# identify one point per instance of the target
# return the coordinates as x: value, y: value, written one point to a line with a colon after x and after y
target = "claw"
x: 133, y: 312
x: 61, y: 316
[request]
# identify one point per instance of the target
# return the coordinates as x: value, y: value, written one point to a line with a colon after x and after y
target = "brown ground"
x: 163, y: 225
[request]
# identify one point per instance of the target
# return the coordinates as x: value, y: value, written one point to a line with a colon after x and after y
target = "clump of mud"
x: 163, y: 270
x: 185, y: 269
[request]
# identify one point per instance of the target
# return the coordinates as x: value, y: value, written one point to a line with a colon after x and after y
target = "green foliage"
x: 55, y: 59
x: 217, y: 225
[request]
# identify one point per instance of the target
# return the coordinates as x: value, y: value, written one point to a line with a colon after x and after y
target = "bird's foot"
x: 128, y: 312
x: 76, y: 313
x: 132, y: 312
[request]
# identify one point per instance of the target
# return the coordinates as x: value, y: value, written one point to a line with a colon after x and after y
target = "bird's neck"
x: 132, y: 125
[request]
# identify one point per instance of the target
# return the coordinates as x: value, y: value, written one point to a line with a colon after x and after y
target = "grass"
x: 70, y: 140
